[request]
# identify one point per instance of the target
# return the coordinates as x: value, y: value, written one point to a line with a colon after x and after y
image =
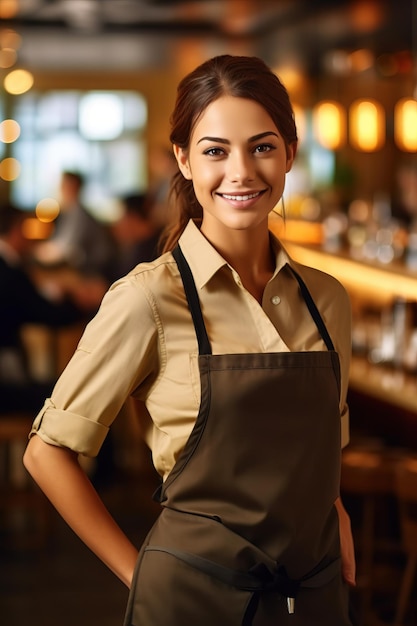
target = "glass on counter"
x: 389, y: 336
x: 373, y: 234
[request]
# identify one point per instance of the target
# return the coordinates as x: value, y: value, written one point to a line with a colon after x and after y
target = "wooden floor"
x: 61, y: 583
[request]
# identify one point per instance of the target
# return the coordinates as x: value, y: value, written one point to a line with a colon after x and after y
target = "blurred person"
x: 78, y: 240
x: 136, y: 233
x: 22, y: 302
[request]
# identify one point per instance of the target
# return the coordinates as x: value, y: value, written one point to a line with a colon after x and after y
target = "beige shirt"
x: 142, y: 343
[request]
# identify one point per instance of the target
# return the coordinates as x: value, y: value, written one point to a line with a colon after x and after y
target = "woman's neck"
x: 251, y: 256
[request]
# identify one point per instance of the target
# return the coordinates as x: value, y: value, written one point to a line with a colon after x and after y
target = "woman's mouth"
x: 241, y: 197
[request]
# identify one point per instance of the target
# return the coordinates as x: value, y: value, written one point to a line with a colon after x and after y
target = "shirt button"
x: 275, y: 299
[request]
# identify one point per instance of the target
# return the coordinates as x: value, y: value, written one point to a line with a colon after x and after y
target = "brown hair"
x: 238, y: 76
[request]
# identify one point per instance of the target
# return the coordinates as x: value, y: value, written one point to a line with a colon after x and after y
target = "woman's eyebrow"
x: 250, y: 140
x: 214, y: 140
x: 262, y: 135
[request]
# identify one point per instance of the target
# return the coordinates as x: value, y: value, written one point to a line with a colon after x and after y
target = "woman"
x: 241, y: 356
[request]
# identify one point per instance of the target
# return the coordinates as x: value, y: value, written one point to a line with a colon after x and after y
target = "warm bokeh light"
x: 337, y: 62
x: 238, y: 15
x: 10, y: 39
x: 329, y: 123
x: 47, y: 210
x: 8, y: 57
x: 361, y: 60
x: 405, y: 124
x: 9, y: 169
x: 10, y: 42
x: 9, y: 131
x: 35, y: 229
x: 366, y: 125
x: 366, y: 15
x: 291, y: 76
x: 18, y: 82
x: 8, y: 9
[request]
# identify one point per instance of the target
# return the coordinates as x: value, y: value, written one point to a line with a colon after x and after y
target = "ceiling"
x: 137, y: 33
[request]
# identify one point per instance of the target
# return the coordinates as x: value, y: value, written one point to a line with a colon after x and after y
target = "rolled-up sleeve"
x: 117, y: 353
x: 67, y: 429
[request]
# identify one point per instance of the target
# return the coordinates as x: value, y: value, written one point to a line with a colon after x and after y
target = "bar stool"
x: 21, y: 501
x: 368, y: 474
x: 406, y: 491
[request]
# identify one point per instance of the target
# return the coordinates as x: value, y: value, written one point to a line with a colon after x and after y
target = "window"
x: 97, y: 133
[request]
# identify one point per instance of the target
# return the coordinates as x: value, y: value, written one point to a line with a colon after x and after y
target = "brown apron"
x: 249, y: 533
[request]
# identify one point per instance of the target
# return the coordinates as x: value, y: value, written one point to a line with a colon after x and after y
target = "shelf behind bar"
x: 391, y: 280
x: 304, y: 242
x: 370, y: 281
x: 384, y: 383
x: 377, y: 381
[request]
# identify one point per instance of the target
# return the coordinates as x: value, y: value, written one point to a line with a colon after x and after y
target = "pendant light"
x: 405, y: 124
x: 366, y: 125
x: 329, y: 124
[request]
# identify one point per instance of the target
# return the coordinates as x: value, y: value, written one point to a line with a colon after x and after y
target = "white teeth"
x: 248, y: 196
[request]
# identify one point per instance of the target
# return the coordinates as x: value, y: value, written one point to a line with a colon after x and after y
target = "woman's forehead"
x: 230, y: 115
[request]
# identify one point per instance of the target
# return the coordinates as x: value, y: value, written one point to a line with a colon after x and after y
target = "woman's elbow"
x: 32, y: 454
x: 40, y: 456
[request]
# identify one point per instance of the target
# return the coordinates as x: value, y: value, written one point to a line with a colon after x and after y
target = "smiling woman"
x: 242, y: 358
x: 238, y: 175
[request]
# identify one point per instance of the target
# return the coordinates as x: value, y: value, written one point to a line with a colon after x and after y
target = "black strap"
x: 194, y: 304
x: 314, y: 312
x: 259, y: 578
x: 204, y: 346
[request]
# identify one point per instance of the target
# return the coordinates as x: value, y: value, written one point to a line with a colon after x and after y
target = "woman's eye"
x: 214, y: 152
x: 264, y: 147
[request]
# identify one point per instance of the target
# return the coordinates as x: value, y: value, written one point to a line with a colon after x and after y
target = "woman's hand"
x: 346, y: 544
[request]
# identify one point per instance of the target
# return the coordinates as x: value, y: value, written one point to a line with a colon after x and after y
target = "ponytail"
x: 183, y: 207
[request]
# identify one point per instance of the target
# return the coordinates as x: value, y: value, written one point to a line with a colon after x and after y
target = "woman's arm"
x: 57, y: 472
x: 346, y: 544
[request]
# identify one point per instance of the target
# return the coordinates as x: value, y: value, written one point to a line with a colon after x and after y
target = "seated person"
x: 78, y: 240
x: 23, y: 303
x: 136, y: 233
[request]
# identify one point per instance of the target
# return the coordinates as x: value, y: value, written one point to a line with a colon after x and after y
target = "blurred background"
x: 87, y: 88
x: 91, y: 85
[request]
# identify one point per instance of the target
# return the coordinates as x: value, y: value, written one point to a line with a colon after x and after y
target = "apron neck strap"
x: 204, y: 346
x: 314, y: 312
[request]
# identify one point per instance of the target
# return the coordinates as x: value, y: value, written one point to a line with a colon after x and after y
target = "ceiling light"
x: 405, y: 124
x: 329, y: 124
x: 366, y: 125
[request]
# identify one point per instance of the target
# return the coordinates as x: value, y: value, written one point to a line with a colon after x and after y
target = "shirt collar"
x: 205, y: 261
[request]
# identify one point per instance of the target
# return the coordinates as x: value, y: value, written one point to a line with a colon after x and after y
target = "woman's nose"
x: 240, y: 168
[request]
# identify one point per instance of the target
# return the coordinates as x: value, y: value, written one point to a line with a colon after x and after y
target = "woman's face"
x: 237, y: 161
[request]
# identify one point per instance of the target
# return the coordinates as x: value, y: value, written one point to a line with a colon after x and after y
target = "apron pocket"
x: 169, y: 592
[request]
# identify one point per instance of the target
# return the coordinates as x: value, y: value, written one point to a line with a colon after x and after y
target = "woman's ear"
x: 291, y: 152
x: 182, y: 160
